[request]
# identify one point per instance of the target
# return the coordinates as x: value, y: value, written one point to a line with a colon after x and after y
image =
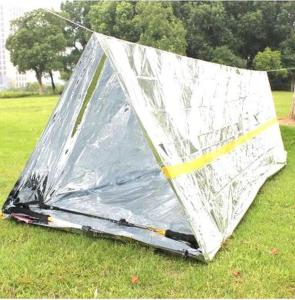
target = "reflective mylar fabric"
x: 156, y: 139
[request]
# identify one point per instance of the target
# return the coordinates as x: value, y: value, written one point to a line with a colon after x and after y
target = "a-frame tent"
x: 152, y: 146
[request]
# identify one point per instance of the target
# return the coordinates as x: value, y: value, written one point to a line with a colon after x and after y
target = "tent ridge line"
x: 176, y: 170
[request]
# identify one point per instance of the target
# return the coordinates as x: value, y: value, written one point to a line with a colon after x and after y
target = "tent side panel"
x: 93, y: 159
x: 191, y: 109
x: 46, y: 162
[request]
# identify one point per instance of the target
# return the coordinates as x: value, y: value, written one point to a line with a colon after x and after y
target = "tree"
x: 288, y: 57
x: 159, y: 27
x: 37, y: 44
x: 284, y: 26
x: 76, y: 38
x: 252, y: 34
x: 292, y: 112
x: 207, y: 26
x: 152, y: 24
x: 260, y: 25
x: 223, y: 55
x: 115, y: 19
x: 270, y: 60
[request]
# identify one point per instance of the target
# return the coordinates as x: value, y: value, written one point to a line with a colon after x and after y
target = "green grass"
x: 283, y: 103
x: 39, y: 262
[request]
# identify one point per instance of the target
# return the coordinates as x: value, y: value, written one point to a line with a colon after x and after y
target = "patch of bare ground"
x: 287, y: 121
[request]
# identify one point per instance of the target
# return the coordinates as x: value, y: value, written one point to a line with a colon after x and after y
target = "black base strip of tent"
x: 188, y: 238
x: 23, y: 212
x: 98, y: 233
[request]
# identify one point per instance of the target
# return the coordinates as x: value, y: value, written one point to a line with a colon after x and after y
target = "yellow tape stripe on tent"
x: 205, y: 159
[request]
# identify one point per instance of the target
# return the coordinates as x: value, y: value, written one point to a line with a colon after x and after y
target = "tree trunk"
x: 39, y: 78
x: 292, y: 83
x: 292, y: 113
x: 52, y: 82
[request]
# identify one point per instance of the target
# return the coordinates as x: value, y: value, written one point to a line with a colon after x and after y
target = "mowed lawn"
x: 257, y: 261
x: 283, y: 101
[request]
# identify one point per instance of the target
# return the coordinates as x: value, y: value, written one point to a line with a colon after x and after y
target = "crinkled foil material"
x: 146, y: 109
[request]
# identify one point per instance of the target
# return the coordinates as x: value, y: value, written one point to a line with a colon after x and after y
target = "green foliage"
x: 159, y: 27
x: 31, y: 89
x: 76, y: 38
x: 244, y: 27
x: 14, y: 93
x: 223, y: 32
x: 69, y: 265
x: 257, y: 25
x: 37, y: 43
x: 207, y: 27
x: 78, y: 12
x: 288, y: 57
x: 270, y: 60
x: 223, y: 55
x: 151, y: 24
x: 115, y: 19
x: 252, y: 33
x: 283, y: 25
x: 288, y: 51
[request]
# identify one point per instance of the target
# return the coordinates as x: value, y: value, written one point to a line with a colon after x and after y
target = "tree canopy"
x: 152, y: 24
x: 224, y: 32
x: 76, y: 39
x: 228, y: 32
x: 115, y: 19
x: 37, y: 44
x: 159, y: 27
x: 269, y: 60
x: 224, y: 55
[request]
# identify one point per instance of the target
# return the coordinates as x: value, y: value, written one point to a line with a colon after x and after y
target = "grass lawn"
x: 39, y: 262
x: 283, y: 102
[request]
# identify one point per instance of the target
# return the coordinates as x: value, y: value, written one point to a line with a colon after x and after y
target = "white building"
x: 9, y: 76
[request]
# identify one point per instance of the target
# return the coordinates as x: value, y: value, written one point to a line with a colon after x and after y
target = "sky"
x: 32, y: 4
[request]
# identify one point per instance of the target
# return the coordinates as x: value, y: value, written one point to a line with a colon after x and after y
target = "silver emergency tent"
x: 144, y: 141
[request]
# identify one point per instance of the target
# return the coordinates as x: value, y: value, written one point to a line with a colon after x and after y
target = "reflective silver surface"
x: 144, y: 109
